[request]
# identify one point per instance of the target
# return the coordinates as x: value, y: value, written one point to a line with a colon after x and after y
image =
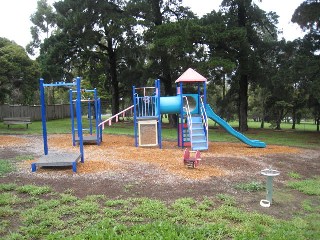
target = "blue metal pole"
x: 181, y: 117
x: 90, y: 116
x: 199, y: 96
x: 99, y: 120
x: 158, y: 113
x: 97, y: 114
x: 79, y: 119
x: 43, y: 117
x: 72, y: 117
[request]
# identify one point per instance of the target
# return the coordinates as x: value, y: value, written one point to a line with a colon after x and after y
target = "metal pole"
x: 72, y: 117
x: 43, y: 118
x: 79, y: 119
x: 269, y: 188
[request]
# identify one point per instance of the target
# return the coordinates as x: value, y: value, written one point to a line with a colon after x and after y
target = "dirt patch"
x: 118, y: 169
x: 12, y: 141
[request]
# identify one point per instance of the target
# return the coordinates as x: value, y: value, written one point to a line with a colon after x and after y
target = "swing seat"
x: 191, y: 161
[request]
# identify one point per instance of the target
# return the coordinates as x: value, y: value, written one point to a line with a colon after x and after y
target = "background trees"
x: 119, y: 43
x: 307, y: 16
x: 18, y: 74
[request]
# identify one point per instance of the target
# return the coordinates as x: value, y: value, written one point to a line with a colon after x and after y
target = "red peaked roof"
x: 191, y: 76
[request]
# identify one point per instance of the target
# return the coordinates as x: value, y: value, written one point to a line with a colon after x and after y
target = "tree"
x: 307, y: 16
x: 95, y: 31
x: 162, y: 20
x: 18, y: 74
x: 44, y: 20
x: 257, y: 26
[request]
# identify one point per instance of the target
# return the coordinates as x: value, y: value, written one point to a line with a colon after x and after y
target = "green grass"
x: 253, y: 186
x: 52, y: 215
x: 5, y: 167
x: 8, y: 165
x: 294, y: 175
x: 308, y: 186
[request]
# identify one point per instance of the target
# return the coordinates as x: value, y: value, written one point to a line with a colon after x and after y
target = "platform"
x: 88, y: 139
x: 57, y: 160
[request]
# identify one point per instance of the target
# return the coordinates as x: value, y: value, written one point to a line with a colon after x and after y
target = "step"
x: 196, y: 120
x: 198, y: 138
x: 199, y: 146
x: 197, y: 130
x: 197, y: 125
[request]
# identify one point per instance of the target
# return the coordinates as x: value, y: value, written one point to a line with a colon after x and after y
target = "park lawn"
x: 38, y: 212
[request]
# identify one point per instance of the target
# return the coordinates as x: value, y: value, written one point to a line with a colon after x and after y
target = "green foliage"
x: 228, y: 200
x: 307, y: 15
x: 308, y: 186
x: 8, y: 198
x: 294, y: 175
x: 307, y: 206
x: 5, y: 167
x: 18, y: 74
x: 34, y: 190
x: 63, y: 216
x: 7, y: 187
x: 251, y: 186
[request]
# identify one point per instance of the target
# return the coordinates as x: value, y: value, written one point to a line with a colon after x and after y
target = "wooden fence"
x: 34, y: 112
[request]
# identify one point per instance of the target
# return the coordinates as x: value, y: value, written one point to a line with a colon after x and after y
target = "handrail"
x: 116, y: 116
x: 146, y: 106
x: 187, y: 108
x: 204, y: 117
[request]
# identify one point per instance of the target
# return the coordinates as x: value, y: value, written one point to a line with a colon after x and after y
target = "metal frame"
x: 76, y: 84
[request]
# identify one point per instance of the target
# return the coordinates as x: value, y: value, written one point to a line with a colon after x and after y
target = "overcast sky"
x: 15, y: 16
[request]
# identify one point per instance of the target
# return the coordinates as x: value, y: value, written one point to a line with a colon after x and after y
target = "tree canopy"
x: 18, y: 74
x: 119, y: 43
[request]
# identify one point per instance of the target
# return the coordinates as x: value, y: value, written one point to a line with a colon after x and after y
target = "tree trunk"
x: 293, y: 119
x: 318, y: 123
x: 114, y: 79
x: 164, y: 59
x: 243, y: 103
x: 243, y: 69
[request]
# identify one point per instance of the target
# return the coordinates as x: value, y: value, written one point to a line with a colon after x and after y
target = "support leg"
x: 74, y: 166
x: 269, y: 189
x: 33, y: 167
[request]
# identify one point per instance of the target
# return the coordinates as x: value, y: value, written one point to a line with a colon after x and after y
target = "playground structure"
x: 95, y: 102
x: 192, y: 110
x: 60, y: 159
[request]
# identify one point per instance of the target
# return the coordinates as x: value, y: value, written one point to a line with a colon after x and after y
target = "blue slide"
x: 253, y: 143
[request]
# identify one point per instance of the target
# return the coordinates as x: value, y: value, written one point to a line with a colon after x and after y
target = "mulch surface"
x: 116, y: 149
x: 118, y: 169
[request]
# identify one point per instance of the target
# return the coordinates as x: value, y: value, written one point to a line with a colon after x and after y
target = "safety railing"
x: 146, y: 106
x: 189, y: 119
x: 204, y: 117
x: 116, y: 116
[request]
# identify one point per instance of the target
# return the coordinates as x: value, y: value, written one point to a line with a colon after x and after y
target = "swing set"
x: 95, y: 102
x: 55, y: 159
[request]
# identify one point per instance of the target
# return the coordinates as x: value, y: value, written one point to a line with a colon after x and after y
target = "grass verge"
x: 34, y: 212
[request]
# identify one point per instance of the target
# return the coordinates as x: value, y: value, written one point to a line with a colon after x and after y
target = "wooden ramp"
x: 57, y: 160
